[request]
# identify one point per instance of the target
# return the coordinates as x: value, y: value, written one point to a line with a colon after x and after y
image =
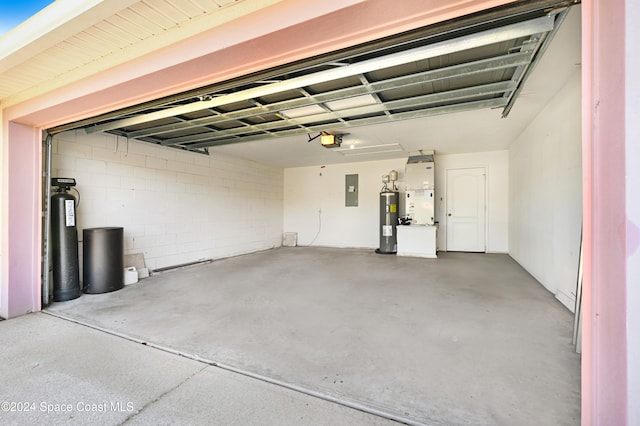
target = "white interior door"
x: 466, y: 210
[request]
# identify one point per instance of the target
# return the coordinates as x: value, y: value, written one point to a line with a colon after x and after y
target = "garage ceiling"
x: 477, y: 63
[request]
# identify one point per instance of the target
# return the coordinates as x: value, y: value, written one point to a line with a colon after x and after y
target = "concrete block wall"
x: 175, y: 206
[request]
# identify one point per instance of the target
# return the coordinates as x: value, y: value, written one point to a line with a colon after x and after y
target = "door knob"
x: 449, y: 214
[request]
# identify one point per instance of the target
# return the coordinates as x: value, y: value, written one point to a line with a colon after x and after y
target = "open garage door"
x: 474, y: 62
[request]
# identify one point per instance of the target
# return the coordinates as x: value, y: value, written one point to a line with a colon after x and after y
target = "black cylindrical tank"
x: 388, y: 221
x: 102, y: 259
x: 64, y: 247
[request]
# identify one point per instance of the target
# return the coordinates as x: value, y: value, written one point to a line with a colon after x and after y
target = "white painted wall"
x: 496, y: 164
x: 175, y: 206
x: 309, y: 190
x: 545, y: 194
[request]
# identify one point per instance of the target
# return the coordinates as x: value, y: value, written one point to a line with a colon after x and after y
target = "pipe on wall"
x: 46, y: 202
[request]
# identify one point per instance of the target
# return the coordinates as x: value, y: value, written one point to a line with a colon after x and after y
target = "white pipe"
x: 47, y: 222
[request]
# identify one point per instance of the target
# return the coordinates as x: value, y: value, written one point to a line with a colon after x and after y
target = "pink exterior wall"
x: 23, y: 291
x: 292, y: 30
x: 632, y: 154
x: 604, y: 372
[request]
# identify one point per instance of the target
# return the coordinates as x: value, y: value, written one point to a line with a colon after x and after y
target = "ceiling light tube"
x: 353, y: 154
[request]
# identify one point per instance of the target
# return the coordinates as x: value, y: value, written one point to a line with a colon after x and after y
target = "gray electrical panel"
x: 351, y: 190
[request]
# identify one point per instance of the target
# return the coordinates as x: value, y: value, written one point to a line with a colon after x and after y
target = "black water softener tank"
x: 64, y: 241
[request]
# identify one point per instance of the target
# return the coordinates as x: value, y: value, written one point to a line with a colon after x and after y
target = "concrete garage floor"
x: 465, y: 339
x: 55, y: 372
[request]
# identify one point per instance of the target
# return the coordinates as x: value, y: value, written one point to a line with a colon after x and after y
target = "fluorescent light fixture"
x: 348, y: 103
x: 371, y: 149
x: 303, y: 111
x: 353, y: 154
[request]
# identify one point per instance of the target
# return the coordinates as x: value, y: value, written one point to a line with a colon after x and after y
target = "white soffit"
x: 72, y: 39
x: 41, y: 31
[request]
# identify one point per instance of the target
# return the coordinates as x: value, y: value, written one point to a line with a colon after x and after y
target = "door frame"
x: 445, y: 204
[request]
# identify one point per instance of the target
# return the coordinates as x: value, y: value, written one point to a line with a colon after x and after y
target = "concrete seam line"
x: 290, y: 386
x: 162, y: 395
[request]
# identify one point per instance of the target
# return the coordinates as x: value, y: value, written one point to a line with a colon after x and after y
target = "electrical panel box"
x: 351, y: 190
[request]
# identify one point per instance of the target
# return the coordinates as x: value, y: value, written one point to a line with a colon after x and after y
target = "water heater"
x: 388, y: 221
